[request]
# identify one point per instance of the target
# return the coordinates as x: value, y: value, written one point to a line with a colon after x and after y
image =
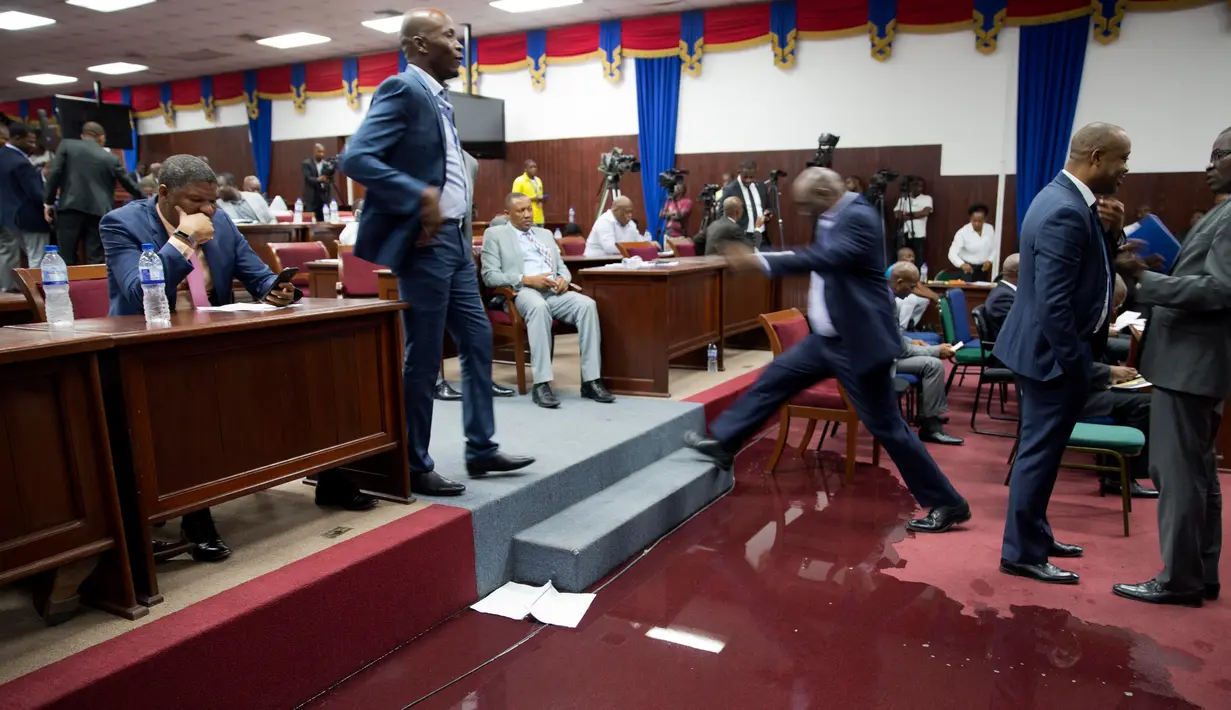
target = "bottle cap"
x: 51, y: 249
x: 147, y: 247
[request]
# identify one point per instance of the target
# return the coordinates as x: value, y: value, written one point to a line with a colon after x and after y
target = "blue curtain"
x: 260, y: 132
x: 658, y: 107
x: 1049, y: 69
x: 130, y: 156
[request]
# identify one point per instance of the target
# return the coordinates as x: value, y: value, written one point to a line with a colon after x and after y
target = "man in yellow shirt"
x: 529, y: 184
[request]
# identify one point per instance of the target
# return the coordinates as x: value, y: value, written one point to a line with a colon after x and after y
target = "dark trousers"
x: 1183, y: 467
x: 916, y: 245
x: 1118, y: 347
x: 1048, y: 412
x: 1124, y: 409
x: 441, y: 286
x: 818, y: 358
x: 74, y: 228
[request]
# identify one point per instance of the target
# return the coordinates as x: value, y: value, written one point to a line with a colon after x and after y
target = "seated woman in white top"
x: 614, y: 225
x: 975, y: 246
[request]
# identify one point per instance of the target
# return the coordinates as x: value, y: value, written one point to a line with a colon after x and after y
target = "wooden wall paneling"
x: 953, y: 195
x: 227, y: 148
x: 286, y: 171
x: 1172, y: 197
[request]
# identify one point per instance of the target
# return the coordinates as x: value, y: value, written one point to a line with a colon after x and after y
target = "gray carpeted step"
x: 582, y: 543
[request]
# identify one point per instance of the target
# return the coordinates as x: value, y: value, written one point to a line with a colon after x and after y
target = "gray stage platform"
x: 608, y: 480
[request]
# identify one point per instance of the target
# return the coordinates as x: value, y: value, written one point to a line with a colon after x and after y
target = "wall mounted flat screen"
x: 480, y: 124
x: 72, y: 112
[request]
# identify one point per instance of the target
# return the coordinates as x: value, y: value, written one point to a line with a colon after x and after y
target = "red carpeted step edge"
x: 717, y: 399
x: 281, y: 638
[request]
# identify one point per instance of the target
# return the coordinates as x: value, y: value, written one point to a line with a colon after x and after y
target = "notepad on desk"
x: 1133, y: 384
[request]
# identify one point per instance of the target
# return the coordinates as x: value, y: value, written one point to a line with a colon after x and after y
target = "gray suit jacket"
x: 84, y: 177
x: 722, y: 231
x: 1187, y: 345
x: 472, y: 170
x: 504, y: 261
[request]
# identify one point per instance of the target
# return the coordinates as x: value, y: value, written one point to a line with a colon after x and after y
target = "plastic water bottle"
x: 333, y: 212
x: 55, y: 289
x: 559, y: 234
x: 572, y: 215
x: 711, y: 359
x: 153, y: 283
x: 298, y: 210
x: 923, y: 272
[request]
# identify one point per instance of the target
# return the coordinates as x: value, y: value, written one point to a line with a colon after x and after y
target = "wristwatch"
x: 185, y: 236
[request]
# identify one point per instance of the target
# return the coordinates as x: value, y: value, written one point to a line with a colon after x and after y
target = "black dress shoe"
x: 544, y: 397
x: 343, y: 494
x: 595, y: 390
x: 940, y: 519
x: 502, y: 391
x: 1042, y: 572
x: 935, y: 435
x: 1212, y: 590
x: 1059, y: 549
x: 1155, y: 593
x: 434, y: 484
x: 1110, y: 486
x: 445, y: 392
x: 207, y: 545
x: 498, y: 462
x: 710, y: 448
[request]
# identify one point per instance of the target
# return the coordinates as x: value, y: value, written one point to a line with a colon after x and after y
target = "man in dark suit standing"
x: 83, y: 178
x: 854, y: 338
x: 317, y: 186
x: 21, y: 206
x: 753, y: 199
x: 408, y: 156
x: 1059, y: 317
x: 1186, y: 354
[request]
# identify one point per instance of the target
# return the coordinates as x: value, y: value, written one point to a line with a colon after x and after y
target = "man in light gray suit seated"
x: 523, y: 257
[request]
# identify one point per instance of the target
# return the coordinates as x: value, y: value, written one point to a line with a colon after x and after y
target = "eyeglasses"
x: 1219, y: 154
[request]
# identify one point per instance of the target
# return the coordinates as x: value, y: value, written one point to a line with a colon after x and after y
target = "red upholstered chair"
x: 572, y: 246
x: 682, y: 246
x: 825, y: 401
x: 648, y: 251
x: 285, y: 218
x: 297, y: 254
x: 87, y: 290
x: 357, y: 277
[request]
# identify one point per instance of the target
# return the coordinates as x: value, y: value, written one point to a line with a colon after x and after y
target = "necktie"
x: 448, y: 111
x: 196, y: 282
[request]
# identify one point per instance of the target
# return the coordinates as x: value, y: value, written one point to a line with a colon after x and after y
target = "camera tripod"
x: 775, y: 199
x: 609, y: 190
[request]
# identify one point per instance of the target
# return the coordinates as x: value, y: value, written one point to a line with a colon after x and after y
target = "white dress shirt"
x: 971, y: 247
x: 535, y: 260
x: 1088, y: 195
x: 607, y: 232
x: 453, y: 203
x: 918, y: 226
x: 752, y: 203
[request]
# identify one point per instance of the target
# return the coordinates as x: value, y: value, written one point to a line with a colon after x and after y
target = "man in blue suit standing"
x: 408, y: 156
x: 201, y: 252
x: 22, y: 226
x: 1058, y: 321
x: 854, y: 338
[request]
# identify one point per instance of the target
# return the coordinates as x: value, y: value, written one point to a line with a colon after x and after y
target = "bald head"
x: 903, y: 278
x: 732, y: 208
x: 622, y: 210
x: 1008, y: 271
x: 1098, y: 156
x: 1119, y: 293
x: 818, y: 189
x: 429, y: 41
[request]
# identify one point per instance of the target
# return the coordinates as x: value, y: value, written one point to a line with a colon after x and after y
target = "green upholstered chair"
x: 966, y: 358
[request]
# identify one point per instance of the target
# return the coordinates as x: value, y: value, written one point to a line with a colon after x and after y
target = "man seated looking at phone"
x: 201, y: 252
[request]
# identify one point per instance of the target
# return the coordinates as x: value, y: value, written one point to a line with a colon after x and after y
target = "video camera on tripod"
x: 879, y: 183
x: 823, y: 157
x: 669, y: 178
x: 329, y: 166
x: 613, y: 166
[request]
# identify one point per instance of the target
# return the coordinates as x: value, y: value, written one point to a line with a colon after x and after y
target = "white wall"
x: 1165, y: 81
x: 321, y: 117
x: 231, y: 115
x: 577, y: 102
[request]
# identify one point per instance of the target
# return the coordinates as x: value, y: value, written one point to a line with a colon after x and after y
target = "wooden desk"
x: 975, y: 296
x: 59, y: 513
x: 323, y: 277
x: 220, y: 405
x: 577, y: 264
x: 386, y: 285
x: 650, y: 316
x: 260, y: 235
x: 14, y: 309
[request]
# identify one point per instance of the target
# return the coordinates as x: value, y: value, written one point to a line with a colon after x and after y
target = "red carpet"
x: 717, y: 399
x: 277, y: 640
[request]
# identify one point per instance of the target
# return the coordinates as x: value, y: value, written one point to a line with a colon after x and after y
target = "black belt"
x: 454, y: 222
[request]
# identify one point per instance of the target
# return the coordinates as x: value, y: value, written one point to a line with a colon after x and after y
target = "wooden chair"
x: 509, y: 325
x: 356, y: 277
x: 648, y: 251
x: 682, y: 246
x: 572, y: 246
x: 298, y: 254
x: 825, y: 401
x: 88, y: 291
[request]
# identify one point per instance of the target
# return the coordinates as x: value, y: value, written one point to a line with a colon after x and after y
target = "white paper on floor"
x: 545, y: 603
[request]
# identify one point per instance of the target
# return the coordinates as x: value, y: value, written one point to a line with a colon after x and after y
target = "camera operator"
x: 912, y: 211
x: 677, y: 210
x: 317, y: 181
x: 754, y: 200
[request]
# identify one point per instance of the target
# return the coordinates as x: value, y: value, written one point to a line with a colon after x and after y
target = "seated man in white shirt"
x: 975, y: 246
x: 523, y: 257
x: 613, y: 226
x: 241, y: 207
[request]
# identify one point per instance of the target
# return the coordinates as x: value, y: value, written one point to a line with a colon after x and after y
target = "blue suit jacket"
x: 1062, y: 288
x: 21, y: 193
x: 849, y: 255
x: 228, y: 256
x: 397, y: 152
